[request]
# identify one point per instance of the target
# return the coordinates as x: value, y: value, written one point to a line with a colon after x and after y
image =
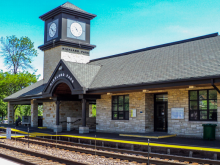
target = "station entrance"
x: 160, y: 112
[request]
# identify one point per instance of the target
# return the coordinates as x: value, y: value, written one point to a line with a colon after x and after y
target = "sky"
x: 120, y: 25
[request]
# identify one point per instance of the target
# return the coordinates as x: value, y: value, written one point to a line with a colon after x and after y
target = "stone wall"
x: 134, y: 124
x: 51, y: 59
x: 178, y: 98
x: 67, y: 109
x: 10, y: 113
x: 53, y: 56
x: 49, y: 114
x: 149, y: 106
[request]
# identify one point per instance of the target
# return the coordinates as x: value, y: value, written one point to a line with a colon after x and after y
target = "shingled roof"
x: 67, y: 8
x: 198, y: 57
x: 32, y: 90
x: 193, y: 58
x: 82, y: 72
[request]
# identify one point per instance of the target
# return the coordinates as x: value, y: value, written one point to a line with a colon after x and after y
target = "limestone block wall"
x: 67, y: 109
x: 71, y: 109
x: 51, y: 59
x: 10, y: 113
x: 49, y: 114
x: 178, y: 98
x: 34, y: 113
x: 149, y: 106
x: 134, y: 124
x: 53, y: 56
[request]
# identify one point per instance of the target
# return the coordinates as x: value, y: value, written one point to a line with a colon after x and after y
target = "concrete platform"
x: 151, y: 135
x: 177, y: 141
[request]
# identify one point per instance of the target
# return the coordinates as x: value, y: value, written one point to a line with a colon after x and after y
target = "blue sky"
x: 120, y: 25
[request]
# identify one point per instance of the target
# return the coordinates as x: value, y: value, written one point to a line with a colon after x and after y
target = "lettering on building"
x: 62, y: 75
x: 74, y: 50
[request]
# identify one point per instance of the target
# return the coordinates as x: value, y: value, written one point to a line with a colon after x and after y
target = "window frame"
x: 124, y: 111
x: 198, y: 110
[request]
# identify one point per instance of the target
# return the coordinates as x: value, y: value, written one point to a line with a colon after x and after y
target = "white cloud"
x: 188, y: 31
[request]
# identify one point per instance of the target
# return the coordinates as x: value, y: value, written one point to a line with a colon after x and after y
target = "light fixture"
x: 145, y: 90
x: 109, y: 93
x: 61, y: 68
x: 191, y: 87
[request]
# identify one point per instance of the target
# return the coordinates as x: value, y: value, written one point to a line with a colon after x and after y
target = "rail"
x: 101, y: 152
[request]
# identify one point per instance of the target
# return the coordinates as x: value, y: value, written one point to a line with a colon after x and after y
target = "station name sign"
x: 62, y: 75
x: 75, y: 51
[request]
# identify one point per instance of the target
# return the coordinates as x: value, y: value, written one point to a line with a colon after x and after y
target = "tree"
x: 11, y: 83
x: 17, y: 53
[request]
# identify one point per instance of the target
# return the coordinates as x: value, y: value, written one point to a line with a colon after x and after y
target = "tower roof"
x: 72, y: 7
x: 67, y: 8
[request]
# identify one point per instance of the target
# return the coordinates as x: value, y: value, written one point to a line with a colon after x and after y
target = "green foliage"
x: 93, y: 110
x: 11, y: 83
x: 3, y: 108
x: 17, y: 53
x: 25, y: 110
x: 40, y: 110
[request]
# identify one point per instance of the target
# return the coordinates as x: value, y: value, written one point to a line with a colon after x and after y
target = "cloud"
x: 188, y: 31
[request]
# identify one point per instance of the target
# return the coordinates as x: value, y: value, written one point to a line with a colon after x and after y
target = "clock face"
x: 52, y: 30
x: 76, y: 29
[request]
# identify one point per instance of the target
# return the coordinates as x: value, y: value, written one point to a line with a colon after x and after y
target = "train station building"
x: 171, y: 88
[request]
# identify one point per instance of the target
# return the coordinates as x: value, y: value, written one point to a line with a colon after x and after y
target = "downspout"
x: 212, y: 82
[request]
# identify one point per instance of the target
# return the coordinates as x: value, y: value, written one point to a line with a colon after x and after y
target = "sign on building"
x: 8, y: 133
x: 133, y: 112
x: 177, y: 113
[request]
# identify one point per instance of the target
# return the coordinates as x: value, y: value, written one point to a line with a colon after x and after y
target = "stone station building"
x: 172, y: 88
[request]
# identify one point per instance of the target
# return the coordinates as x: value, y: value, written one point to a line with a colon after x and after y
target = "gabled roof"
x: 67, y: 8
x: 194, y: 58
x: 84, y: 73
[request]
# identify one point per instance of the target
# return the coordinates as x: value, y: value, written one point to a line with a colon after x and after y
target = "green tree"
x: 11, y: 83
x: 93, y: 110
x: 3, y: 108
x: 17, y: 53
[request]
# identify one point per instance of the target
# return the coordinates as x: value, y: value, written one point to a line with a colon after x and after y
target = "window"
x: 203, y: 105
x: 120, y: 107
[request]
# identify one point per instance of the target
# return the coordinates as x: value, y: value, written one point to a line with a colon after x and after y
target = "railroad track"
x: 26, y: 157
x: 129, y: 155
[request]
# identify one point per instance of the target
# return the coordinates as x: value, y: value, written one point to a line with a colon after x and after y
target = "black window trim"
x: 198, y: 110
x: 123, y: 107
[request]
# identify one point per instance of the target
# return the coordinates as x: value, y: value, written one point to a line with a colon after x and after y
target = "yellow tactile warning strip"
x: 42, y: 127
x: 150, y: 137
x: 125, y: 141
x: 33, y: 134
x: 4, y: 137
x: 145, y: 143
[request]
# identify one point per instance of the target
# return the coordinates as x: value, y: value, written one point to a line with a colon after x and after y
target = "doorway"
x: 160, y: 112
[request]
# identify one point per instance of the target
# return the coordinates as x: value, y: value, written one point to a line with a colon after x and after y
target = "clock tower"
x: 66, y: 36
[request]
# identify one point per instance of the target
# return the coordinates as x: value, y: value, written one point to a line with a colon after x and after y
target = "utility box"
x: 26, y: 120
x: 209, y: 131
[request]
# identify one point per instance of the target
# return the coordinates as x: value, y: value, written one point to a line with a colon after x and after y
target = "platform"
x: 172, y: 142
x: 151, y: 135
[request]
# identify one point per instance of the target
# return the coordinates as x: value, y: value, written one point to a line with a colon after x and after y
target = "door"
x: 160, y: 115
